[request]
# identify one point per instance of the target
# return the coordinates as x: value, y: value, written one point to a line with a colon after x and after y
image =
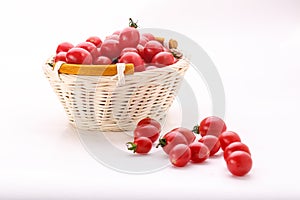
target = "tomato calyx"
x: 162, y: 142
x: 132, y: 23
x: 131, y: 146
x: 196, y: 129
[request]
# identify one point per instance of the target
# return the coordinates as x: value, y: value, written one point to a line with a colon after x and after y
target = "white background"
x: 254, y: 44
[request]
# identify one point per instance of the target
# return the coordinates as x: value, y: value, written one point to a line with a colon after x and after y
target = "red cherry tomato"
x: 212, y: 142
x: 134, y: 58
x: 163, y: 59
x: 235, y: 146
x: 211, y: 126
x: 149, y: 36
x: 78, y: 55
x: 227, y: 138
x: 117, y: 32
x: 152, y: 48
x: 143, y: 41
x: 61, y: 56
x: 112, y: 37
x: 110, y: 48
x: 188, y: 134
x: 239, y: 163
x: 199, y: 151
x: 180, y: 155
x: 140, y: 50
x: 64, y: 47
x: 140, y: 145
x: 171, y: 139
x: 151, y: 121
x: 129, y: 37
x: 95, y: 40
x: 128, y: 49
x: 102, y: 60
x: 147, y: 130
x: 90, y: 47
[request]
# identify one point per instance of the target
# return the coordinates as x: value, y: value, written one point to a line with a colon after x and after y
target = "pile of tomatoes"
x: 125, y: 46
x: 182, y: 147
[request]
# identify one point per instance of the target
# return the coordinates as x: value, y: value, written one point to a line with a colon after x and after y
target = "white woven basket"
x: 102, y: 103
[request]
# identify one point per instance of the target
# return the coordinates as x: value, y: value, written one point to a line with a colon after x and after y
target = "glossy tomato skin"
x: 113, y: 37
x: 95, y: 40
x: 61, y: 56
x: 110, y: 48
x: 64, y: 47
x: 152, y: 48
x: 239, y: 163
x: 134, y: 58
x: 78, y: 55
x: 188, y: 134
x: 199, y: 152
x: 235, y: 146
x: 163, y: 59
x: 102, y: 60
x: 180, y: 155
x: 212, y: 142
x: 151, y: 121
x: 212, y: 126
x: 147, y: 130
x: 228, y: 137
x: 171, y: 139
x: 140, y: 145
x: 129, y: 37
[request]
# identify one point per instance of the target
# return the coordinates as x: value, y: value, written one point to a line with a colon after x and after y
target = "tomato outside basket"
x: 107, y: 103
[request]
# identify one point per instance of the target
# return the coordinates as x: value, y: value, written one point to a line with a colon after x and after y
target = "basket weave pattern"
x: 100, y: 103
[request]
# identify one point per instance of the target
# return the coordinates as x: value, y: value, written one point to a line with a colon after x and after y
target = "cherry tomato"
x: 235, y: 146
x: 128, y: 49
x: 212, y: 142
x: 110, y: 48
x: 227, y: 138
x: 152, y: 48
x: 117, y: 32
x: 211, y: 126
x: 140, y: 145
x: 112, y: 37
x: 134, y: 58
x: 149, y: 36
x: 95, y: 40
x: 143, y: 41
x: 64, y: 46
x: 147, y: 130
x: 61, y: 56
x: 180, y: 155
x: 102, y: 60
x: 129, y: 37
x: 140, y: 50
x: 78, y: 55
x: 171, y: 139
x: 239, y: 163
x: 188, y: 134
x: 151, y: 121
x: 163, y: 59
x: 90, y: 47
x: 199, y: 151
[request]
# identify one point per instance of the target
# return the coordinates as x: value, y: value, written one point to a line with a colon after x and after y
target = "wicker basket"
x: 107, y: 103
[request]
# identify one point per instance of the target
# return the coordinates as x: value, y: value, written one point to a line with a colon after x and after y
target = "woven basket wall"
x: 98, y: 103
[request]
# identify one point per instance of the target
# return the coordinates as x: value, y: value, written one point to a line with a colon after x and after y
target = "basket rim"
x: 103, y: 70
